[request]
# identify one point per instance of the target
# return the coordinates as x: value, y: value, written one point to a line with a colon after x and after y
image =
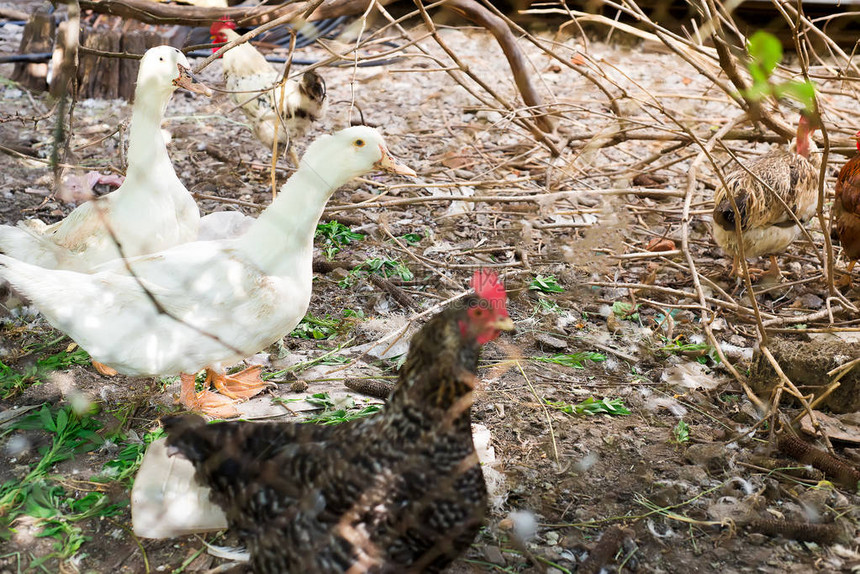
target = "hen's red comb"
x: 224, y: 22
x: 487, y: 286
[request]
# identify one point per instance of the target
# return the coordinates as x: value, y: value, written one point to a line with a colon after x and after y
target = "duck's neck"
x: 146, y: 144
x: 280, y: 242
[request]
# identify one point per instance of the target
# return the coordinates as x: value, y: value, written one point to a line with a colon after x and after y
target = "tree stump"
x: 99, y: 77
x: 111, y: 77
x: 38, y: 37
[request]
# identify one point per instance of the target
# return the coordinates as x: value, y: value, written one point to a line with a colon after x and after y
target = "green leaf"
x: 334, y: 236
x: 575, y: 360
x: 546, y: 284
x: 332, y: 415
x: 47, y: 420
x: 765, y: 49
x: 625, y: 310
x: 591, y: 406
x: 803, y: 92
x: 681, y: 432
x: 604, y: 406
x: 62, y: 420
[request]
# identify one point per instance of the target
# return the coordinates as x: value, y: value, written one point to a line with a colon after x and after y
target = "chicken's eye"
x: 478, y: 312
x: 161, y: 59
x: 359, y: 143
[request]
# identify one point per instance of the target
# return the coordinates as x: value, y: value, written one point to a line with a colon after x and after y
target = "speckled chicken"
x: 398, y: 492
x: 846, y: 209
x: 286, y: 114
x: 767, y: 228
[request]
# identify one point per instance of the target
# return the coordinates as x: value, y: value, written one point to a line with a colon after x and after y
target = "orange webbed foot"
x: 242, y: 385
x: 206, y: 402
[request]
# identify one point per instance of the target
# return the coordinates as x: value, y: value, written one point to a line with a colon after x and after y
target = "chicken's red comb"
x: 224, y: 22
x: 487, y: 286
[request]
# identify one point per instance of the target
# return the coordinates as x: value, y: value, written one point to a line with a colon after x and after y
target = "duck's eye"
x: 359, y: 143
x: 161, y: 59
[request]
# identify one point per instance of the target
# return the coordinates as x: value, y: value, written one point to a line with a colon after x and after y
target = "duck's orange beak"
x: 186, y: 80
x: 389, y: 164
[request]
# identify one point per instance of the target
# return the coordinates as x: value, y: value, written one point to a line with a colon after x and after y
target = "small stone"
x: 552, y: 538
x: 494, y: 555
x: 298, y: 386
x: 668, y: 495
x: 811, y: 301
x: 553, y: 343
x: 710, y: 456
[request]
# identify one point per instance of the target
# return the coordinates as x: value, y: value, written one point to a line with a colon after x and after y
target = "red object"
x: 488, y: 310
x: 846, y: 207
x: 224, y: 22
x: 215, y: 30
x: 487, y: 286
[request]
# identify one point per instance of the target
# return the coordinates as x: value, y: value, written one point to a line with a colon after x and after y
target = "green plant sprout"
x: 12, y: 381
x: 546, y: 284
x: 592, y: 406
x: 574, y: 360
x: 765, y: 52
x: 681, y: 433
x: 334, y: 236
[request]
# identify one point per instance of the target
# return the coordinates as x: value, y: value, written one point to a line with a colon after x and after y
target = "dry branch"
x: 156, y: 13
x: 500, y: 30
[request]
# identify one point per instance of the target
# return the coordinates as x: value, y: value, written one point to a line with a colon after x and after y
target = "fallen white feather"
x: 228, y: 552
x: 690, y: 375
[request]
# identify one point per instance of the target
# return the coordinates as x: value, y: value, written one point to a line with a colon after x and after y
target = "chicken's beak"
x: 388, y: 163
x: 504, y: 324
x: 185, y: 80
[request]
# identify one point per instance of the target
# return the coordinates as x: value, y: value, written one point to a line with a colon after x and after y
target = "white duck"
x: 150, y: 211
x: 217, y: 301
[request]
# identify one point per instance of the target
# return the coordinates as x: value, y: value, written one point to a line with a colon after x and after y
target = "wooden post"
x: 99, y: 77
x: 38, y: 37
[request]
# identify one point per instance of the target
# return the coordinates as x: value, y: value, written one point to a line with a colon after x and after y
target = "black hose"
x: 37, y: 57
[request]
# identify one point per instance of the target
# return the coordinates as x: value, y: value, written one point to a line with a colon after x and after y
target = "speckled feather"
x: 767, y: 227
x: 399, y: 492
x: 846, y: 208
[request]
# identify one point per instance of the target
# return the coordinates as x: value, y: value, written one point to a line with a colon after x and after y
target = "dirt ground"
x: 586, y: 218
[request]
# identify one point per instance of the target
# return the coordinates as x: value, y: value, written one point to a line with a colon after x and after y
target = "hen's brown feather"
x: 846, y: 208
x: 767, y: 227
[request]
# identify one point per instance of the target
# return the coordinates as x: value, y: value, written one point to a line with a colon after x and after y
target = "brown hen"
x: 766, y: 227
x: 398, y: 492
x: 846, y: 209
